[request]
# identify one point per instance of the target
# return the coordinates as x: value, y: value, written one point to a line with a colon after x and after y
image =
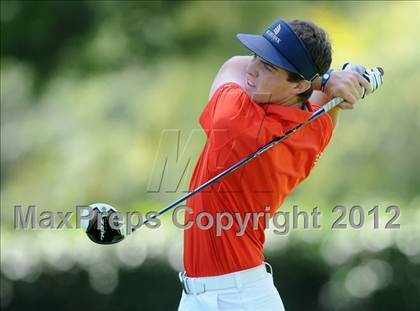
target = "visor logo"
x: 272, y: 36
x: 277, y: 29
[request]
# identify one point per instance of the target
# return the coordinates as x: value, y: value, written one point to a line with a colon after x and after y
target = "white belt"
x: 196, y: 286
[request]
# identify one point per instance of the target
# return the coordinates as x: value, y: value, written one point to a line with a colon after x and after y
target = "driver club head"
x: 98, y: 228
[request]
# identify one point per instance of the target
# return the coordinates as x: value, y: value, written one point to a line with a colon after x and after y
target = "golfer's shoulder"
x: 232, y: 71
x: 228, y: 92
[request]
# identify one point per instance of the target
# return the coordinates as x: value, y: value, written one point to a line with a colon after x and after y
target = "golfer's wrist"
x: 324, y: 79
x: 316, y: 84
x: 320, y: 83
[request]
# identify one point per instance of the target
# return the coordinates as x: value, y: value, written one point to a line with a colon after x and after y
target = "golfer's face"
x: 266, y: 83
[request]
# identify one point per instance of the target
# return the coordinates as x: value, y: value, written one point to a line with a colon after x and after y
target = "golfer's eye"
x: 268, y: 67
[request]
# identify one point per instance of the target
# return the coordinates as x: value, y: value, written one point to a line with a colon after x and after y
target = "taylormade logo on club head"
x: 102, y: 224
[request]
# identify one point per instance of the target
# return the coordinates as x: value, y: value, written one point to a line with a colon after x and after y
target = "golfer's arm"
x: 334, y: 115
x: 319, y: 98
x: 233, y: 70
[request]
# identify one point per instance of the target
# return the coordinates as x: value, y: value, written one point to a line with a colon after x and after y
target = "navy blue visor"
x: 280, y: 46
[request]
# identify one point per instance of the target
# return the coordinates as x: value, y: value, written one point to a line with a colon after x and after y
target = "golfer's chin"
x: 252, y: 92
x: 256, y: 95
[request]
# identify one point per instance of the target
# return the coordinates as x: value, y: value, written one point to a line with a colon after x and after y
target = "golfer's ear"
x: 302, y: 86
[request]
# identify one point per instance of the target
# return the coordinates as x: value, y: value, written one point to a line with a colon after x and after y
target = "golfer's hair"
x: 319, y: 47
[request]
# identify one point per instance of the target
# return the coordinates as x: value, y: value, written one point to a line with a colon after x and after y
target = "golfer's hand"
x: 348, y: 85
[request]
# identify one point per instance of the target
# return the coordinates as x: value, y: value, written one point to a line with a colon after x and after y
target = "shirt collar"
x: 289, y: 113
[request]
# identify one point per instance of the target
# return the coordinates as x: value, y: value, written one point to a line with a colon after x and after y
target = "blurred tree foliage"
x: 38, y: 32
x: 42, y: 33
x: 135, y: 69
x: 92, y: 91
x: 154, y: 287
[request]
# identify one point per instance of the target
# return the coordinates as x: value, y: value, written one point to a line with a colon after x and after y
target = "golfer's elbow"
x: 237, y: 63
x: 233, y: 70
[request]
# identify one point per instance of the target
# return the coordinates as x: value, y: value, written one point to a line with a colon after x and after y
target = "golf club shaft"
x: 328, y: 106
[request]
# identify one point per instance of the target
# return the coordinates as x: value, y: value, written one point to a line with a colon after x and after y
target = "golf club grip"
x: 328, y: 106
x: 372, y: 75
x: 332, y: 103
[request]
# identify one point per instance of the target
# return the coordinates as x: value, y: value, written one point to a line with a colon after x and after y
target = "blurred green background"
x: 96, y: 96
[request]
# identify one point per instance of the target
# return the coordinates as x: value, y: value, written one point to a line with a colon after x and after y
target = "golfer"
x: 253, y: 100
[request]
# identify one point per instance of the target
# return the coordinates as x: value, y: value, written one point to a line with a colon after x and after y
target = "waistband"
x: 196, y: 286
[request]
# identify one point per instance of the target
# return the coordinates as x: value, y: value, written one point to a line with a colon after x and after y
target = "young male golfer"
x: 253, y: 100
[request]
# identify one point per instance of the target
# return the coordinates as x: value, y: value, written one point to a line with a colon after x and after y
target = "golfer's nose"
x: 253, y: 68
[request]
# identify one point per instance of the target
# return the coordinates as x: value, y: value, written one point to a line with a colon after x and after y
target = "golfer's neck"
x: 294, y: 102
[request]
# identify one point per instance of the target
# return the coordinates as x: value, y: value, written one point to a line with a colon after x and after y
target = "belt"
x: 196, y: 286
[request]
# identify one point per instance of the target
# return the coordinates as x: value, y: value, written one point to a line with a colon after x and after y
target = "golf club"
x: 96, y: 233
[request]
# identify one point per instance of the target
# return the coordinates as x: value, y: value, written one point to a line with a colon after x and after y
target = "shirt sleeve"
x: 232, y: 111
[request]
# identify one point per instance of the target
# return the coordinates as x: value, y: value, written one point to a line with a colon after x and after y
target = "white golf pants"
x: 247, y: 290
